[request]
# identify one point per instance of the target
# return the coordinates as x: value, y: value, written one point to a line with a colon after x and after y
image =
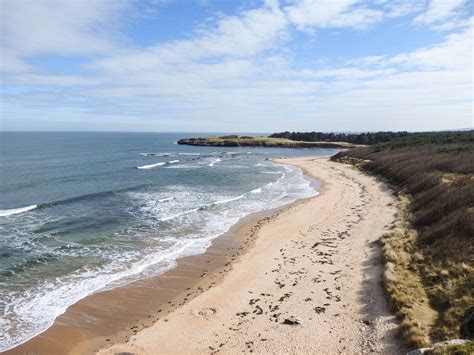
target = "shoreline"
x: 249, y: 290
x: 142, y: 302
x: 311, y: 282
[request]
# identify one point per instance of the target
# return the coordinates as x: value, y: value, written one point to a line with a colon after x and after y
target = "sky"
x: 236, y: 66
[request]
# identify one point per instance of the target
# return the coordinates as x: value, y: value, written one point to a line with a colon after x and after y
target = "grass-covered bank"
x: 432, y: 254
x: 263, y: 142
x: 403, y: 281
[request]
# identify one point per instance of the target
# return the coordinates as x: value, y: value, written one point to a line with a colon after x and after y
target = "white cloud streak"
x: 439, y: 10
x: 331, y: 14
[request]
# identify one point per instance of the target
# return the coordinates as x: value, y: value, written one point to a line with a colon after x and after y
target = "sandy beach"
x: 309, y: 283
x: 245, y: 176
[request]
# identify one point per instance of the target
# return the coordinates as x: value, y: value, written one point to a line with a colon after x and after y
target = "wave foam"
x: 5, y: 213
x: 207, y: 214
x: 184, y: 166
x: 228, y: 200
x: 169, y: 154
x: 54, y: 298
x: 167, y: 218
x: 166, y: 199
x: 214, y: 161
x: 151, y: 166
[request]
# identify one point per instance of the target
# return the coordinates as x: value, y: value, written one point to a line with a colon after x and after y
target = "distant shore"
x: 309, y: 282
x: 250, y: 141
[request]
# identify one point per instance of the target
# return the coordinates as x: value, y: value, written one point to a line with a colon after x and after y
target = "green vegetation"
x: 436, y: 172
x: 360, y: 138
x: 248, y: 141
x: 426, y: 138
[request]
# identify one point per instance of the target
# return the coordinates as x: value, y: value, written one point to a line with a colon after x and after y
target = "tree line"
x: 368, y: 138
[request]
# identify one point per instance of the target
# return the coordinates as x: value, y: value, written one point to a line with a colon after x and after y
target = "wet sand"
x: 311, y: 282
x: 113, y: 316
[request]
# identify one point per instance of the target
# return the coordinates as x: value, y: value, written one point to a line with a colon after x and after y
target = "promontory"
x: 250, y: 141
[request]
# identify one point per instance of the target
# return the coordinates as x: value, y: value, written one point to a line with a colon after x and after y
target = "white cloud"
x: 331, y: 13
x: 343, y: 73
x: 439, y: 10
x: 11, y: 62
x: 56, y: 80
x: 399, y: 8
x: 241, y: 36
x: 456, y: 52
x: 237, y: 72
x: 369, y: 60
x: 432, y: 82
x: 30, y: 28
x: 247, y: 35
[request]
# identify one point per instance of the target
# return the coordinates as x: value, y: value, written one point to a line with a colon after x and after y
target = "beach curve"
x: 310, y: 283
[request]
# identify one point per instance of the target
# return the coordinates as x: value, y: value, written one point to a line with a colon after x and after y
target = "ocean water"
x: 83, y: 212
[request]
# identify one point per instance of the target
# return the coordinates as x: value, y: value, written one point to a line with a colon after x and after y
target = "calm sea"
x: 82, y: 212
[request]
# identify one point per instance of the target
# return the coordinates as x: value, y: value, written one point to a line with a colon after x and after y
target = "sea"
x: 84, y: 212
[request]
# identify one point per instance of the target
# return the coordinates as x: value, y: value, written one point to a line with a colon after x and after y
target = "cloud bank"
x: 242, y: 71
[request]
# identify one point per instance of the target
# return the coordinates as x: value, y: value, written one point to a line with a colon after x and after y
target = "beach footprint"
x: 205, y: 313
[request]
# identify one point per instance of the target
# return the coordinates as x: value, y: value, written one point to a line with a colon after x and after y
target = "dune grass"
x: 403, y: 281
x: 432, y: 254
x: 462, y: 349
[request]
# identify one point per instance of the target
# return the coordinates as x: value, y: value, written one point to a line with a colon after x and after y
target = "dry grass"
x: 403, y: 282
x: 463, y: 349
x: 439, y: 178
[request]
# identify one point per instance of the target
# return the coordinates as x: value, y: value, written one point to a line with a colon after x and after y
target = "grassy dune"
x: 429, y: 256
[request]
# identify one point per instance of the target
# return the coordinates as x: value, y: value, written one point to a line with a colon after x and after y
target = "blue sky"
x: 236, y: 66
